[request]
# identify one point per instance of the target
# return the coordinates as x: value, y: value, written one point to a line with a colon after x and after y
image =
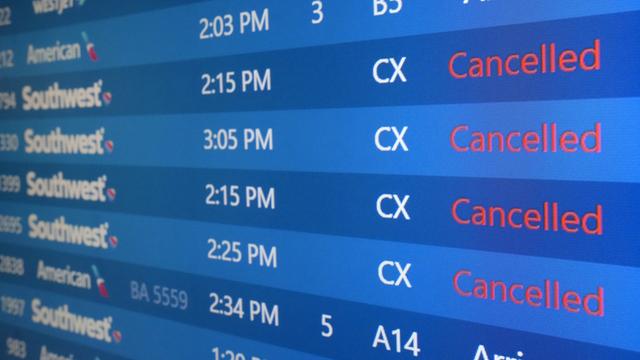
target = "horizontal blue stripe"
x: 142, y: 334
x: 342, y: 204
x: 345, y: 78
x: 432, y: 293
x: 138, y: 235
x: 290, y: 26
x: 36, y: 341
x: 23, y: 17
x: 345, y: 140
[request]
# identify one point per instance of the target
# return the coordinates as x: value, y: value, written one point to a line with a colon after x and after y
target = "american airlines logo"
x: 61, y: 51
x: 47, y: 354
x: 66, y: 276
x: 58, y: 187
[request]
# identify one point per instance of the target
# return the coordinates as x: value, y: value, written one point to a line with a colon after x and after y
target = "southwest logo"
x: 57, y: 142
x: 107, y: 97
x: 58, y: 230
x: 64, y: 319
x: 56, y: 97
x: 117, y: 336
x: 59, y: 187
x: 113, y: 241
x: 111, y: 194
x: 109, y: 145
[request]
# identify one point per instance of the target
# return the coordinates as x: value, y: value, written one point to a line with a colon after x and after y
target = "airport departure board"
x: 320, y: 179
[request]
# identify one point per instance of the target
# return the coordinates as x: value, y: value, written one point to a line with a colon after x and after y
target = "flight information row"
x: 398, y: 71
x: 294, y: 16
x: 221, y: 28
x: 262, y: 256
x: 554, y: 306
x: 19, y: 343
x: 447, y: 211
x: 552, y: 140
x: 19, y: 16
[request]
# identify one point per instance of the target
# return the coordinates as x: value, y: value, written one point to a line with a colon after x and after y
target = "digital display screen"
x: 320, y: 179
